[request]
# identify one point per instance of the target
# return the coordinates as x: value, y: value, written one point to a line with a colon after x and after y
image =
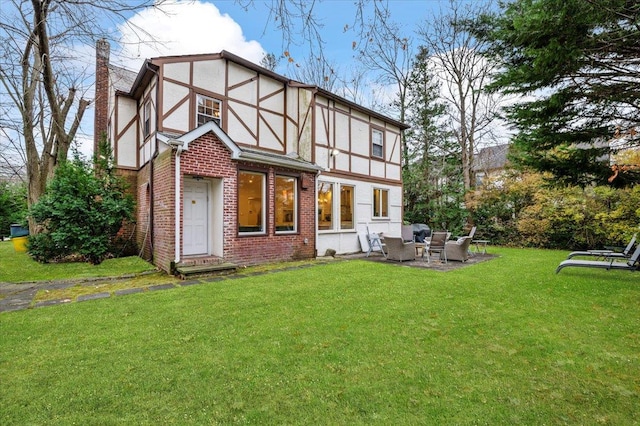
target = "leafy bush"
x: 523, y: 210
x: 81, y: 213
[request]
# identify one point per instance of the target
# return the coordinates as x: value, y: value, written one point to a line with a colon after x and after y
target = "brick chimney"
x: 101, y: 102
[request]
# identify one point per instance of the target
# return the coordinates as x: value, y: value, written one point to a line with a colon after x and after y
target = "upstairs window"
x: 380, y: 203
x: 208, y: 110
x: 377, y: 143
x: 146, y: 119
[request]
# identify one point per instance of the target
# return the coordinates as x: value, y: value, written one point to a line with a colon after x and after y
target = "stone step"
x: 195, y: 270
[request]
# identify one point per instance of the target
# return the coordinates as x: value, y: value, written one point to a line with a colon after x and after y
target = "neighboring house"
x: 232, y: 162
x: 490, y: 162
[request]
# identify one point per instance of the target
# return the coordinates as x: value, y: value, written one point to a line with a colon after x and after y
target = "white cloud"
x: 182, y: 28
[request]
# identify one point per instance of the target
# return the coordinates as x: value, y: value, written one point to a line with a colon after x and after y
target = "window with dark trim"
x: 251, y: 202
x: 146, y: 119
x: 377, y: 143
x: 286, y: 204
x: 208, y: 110
x: 380, y: 203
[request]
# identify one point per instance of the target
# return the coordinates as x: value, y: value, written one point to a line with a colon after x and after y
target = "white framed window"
x: 336, y: 206
x: 325, y: 206
x: 347, y: 206
x: 377, y: 143
x: 380, y: 203
x: 251, y: 202
x: 208, y: 109
x: 286, y: 204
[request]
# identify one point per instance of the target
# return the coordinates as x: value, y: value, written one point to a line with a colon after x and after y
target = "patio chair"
x: 399, y: 250
x: 375, y: 243
x: 472, y: 232
x: 458, y: 249
x: 606, y: 254
x: 630, y: 265
x: 437, y: 244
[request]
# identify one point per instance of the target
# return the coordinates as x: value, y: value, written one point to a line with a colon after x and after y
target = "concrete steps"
x: 192, y: 271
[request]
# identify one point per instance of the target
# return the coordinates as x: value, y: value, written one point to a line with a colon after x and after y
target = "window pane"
x: 285, y: 204
x: 377, y: 143
x: 346, y: 207
x: 385, y: 203
x: 325, y: 206
x: 208, y: 110
x: 146, y: 126
x: 251, y: 202
x: 380, y: 203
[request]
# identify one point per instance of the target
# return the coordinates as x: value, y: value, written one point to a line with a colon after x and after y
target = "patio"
x: 434, y: 264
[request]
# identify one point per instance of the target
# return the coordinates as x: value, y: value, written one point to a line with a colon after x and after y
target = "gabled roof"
x: 491, y: 158
x: 150, y: 67
x: 122, y: 78
x: 238, y: 153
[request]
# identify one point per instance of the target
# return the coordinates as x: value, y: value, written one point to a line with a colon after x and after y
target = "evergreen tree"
x: 577, y: 63
x: 433, y: 187
x: 82, y: 211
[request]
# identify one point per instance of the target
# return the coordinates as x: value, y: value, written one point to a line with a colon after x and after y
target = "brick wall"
x: 163, y: 210
x: 143, y: 224
x: 209, y: 158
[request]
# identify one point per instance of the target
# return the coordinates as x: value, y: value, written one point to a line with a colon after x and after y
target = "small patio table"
x: 481, y: 244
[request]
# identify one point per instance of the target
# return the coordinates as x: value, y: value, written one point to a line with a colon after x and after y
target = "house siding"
x: 260, y: 111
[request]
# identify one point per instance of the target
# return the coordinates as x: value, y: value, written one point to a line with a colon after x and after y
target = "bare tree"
x: 43, y: 76
x: 465, y: 73
x: 387, y: 52
x: 317, y: 71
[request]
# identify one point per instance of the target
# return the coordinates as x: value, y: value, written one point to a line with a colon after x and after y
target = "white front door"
x: 195, y: 218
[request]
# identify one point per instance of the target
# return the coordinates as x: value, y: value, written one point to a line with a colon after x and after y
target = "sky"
x: 250, y: 32
x: 244, y: 28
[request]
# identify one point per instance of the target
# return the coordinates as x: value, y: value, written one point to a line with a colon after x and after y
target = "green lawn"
x: 19, y: 267
x: 351, y: 342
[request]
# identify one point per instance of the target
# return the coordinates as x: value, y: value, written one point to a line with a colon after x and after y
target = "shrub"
x: 81, y: 213
x: 522, y: 210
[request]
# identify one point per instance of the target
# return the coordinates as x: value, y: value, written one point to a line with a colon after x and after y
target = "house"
x: 231, y: 162
x: 490, y: 161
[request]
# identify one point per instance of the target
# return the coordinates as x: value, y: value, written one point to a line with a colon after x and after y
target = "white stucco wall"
x: 347, y: 241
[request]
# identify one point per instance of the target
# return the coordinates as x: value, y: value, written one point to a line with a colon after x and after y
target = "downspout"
x: 178, y: 145
x: 152, y: 161
x: 315, y: 216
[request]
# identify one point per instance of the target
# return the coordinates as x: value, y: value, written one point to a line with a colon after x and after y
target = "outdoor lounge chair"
x: 606, y: 254
x: 400, y: 250
x: 458, y: 250
x: 630, y: 265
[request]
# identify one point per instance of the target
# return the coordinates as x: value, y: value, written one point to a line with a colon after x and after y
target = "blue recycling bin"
x: 19, y: 231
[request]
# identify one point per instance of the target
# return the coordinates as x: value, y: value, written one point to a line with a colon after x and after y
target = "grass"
x: 350, y: 342
x: 19, y: 267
